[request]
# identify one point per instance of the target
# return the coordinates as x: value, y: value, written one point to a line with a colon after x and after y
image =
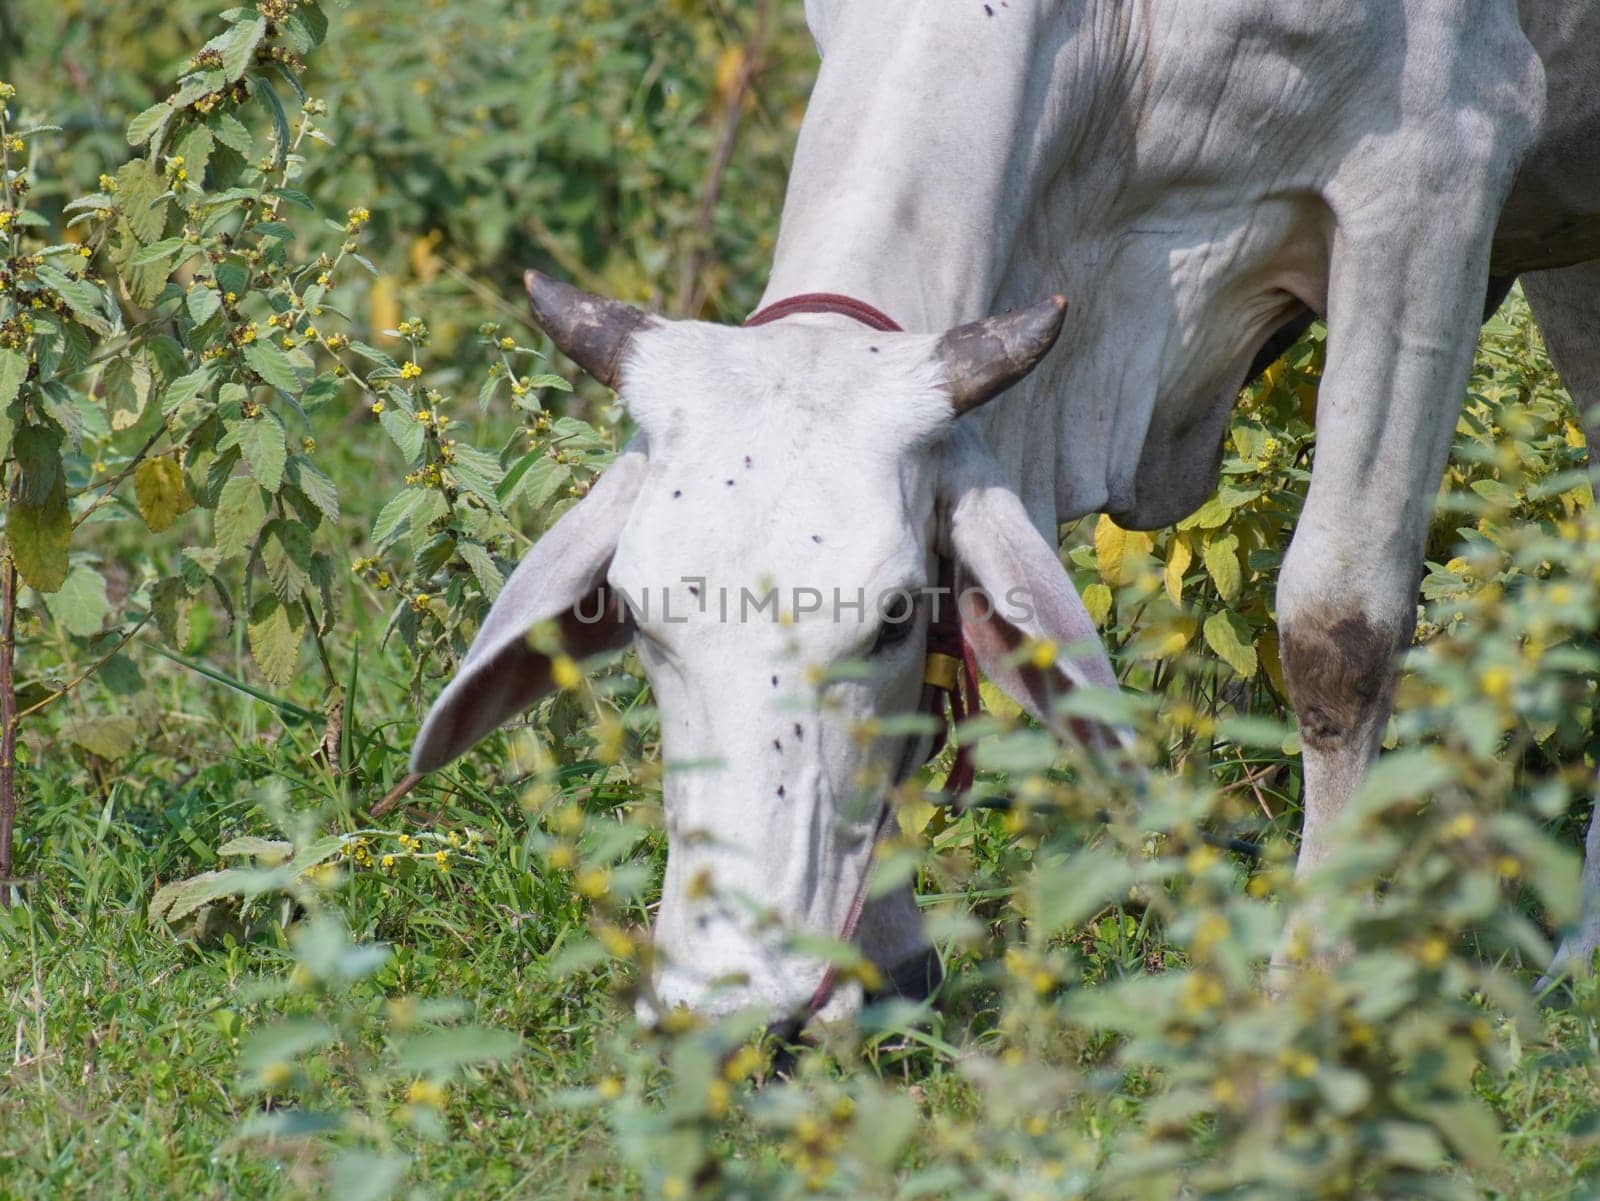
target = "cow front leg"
x: 1403, y: 314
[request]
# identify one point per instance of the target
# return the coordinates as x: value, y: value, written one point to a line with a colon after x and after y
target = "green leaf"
x: 273, y: 366
x: 81, y: 605
x: 171, y: 604
x: 275, y: 630
x: 241, y: 512
x: 286, y: 554
x: 183, y: 403
x: 274, y: 850
x: 438, y: 1052
x: 238, y: 45
x: 140, y: 195
x: 315, y: 485
x: 539, y: 483
x: 1222, y: 563
x: 110, y: 737
x: 38, y: 454
x: 393, y: 517
x: 148, y: 124
x: 404, y: 430
x: 203, y: 304
x: 1231, y: 639
x: 160, y: 493
x: 174, y: 902
x: 126, y: 383
x: 262, y: 443
x: 85, y: 300
x: 39, y: 535
x: 283, y: 1041
x: 483, y: 566
x: 367, y: 1176
x: 231, y: 132
x: 13, y: 370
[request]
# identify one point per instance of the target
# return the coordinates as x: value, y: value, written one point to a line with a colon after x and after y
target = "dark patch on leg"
x: 777, y: 745
x: 1338, y: 669
x: 780, y: 791
x: 798, y: 733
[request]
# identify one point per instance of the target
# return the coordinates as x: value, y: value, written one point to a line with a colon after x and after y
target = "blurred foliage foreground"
x: 272, y: 440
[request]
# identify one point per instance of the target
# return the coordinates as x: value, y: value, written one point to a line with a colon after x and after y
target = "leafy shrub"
x: 263, y: 371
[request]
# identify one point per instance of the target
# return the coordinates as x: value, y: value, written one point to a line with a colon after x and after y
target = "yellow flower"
x: 746, y: 1061
x: 610, y: 1088
x: 276, y: 1075
x: 1496, y: 683
x: 717, y: 1095
x: 410, y: 371
x: 561, y: 857
x: 426, y: 1092
x: 1433, y: 952
x: 5, y: 218
x: 564, y: 672
x: 1461, y: 826
x: 593, y: 882
x: 1298, y: 1063
x: 508, y: 343
x: 442, y: 859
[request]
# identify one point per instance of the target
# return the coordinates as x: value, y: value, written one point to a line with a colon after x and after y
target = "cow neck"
x: 950, y: 668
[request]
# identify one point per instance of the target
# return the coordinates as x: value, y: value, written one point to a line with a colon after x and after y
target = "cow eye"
x: 896, y: 625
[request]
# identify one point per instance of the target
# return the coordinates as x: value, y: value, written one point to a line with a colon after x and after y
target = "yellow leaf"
x: 1222, y: 563
x: 730, y: 72
x: 1097, y: 599
x: 158, y: 489
x: 385, y: 308
x: 1179, y: 556
x: 1116, y: 549
x: 1222, y: 637
x: 1164, y: 639
x: 424, y: 263
x: 1271, y: 662
x: 913, y: 816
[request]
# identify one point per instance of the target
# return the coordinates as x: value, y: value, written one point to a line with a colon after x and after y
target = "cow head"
x: 769, y: 543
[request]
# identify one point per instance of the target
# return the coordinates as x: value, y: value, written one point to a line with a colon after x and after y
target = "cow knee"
x: 1338, y: 664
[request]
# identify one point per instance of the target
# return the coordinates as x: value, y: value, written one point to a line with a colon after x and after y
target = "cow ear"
x: 1015, y: 596
x: 561, y: 580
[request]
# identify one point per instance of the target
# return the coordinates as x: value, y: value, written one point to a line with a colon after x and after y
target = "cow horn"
x: 592, y: 331
x: 983, y: 358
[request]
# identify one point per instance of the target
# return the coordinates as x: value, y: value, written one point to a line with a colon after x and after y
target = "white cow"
x: 1195, y: 176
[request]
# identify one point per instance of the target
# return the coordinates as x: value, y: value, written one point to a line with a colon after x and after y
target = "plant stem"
x: 8, y: 721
